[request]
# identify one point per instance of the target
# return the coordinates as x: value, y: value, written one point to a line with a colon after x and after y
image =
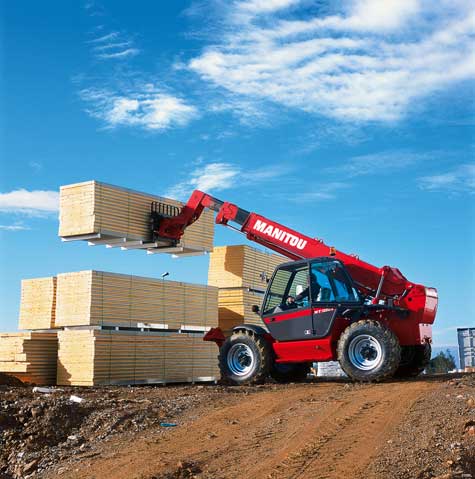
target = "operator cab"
x: 309, y: 293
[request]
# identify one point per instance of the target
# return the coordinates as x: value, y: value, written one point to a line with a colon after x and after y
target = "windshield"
x: 331, y: 283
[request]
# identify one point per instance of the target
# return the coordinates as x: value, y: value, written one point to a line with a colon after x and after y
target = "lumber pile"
x: 38, y: 303
x: 29, y: 356
x: 112, y: 212
x: 241, y: 273
x: 235, y: 308
x: 99, y: 357
x: 240, y: 266
x: 112, y: 329
x: 88, y: 298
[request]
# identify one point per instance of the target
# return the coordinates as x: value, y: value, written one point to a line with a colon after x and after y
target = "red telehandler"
x: 323, y: 305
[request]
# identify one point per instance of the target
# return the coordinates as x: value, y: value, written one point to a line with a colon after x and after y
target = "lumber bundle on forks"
x: 96, y: 211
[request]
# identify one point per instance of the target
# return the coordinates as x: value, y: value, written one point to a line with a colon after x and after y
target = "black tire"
x: 290, y: 372
x: 368, y: 351
x: 414, y: 359
x: 245, y: 358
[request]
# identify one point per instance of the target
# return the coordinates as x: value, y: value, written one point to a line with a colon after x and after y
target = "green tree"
x: 442, y: 363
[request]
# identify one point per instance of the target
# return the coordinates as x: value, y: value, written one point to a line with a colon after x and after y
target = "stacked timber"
x: 100, y: 357
x: 235, y: 307
x: 38, y: 303
x: 89, y: 298
x: 94, y: 208
x: 29, y: 356
x: 241, y: 273
x: 240, y: 266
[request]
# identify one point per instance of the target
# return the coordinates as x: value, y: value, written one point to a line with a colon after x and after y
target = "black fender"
x: 257, y: 330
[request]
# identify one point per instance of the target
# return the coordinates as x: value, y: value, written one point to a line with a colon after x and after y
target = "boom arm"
x: 290, y: 243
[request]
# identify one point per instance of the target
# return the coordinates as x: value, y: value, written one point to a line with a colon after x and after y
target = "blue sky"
x: 352, y: 121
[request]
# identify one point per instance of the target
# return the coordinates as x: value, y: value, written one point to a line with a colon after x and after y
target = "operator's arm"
x: 304, y: 294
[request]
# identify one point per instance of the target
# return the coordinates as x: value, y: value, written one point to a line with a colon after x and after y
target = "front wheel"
x: 368, y: 351
x: 244, y: 358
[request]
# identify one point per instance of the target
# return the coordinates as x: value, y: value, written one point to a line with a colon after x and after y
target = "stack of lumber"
x: 240, y: 266
x: 235, y: 308
x: 113, y: 212
x: 107, y: 299
x: 241, y: 273
x: 38, y: 303
x: 100, y: 357
x: 29, y: 356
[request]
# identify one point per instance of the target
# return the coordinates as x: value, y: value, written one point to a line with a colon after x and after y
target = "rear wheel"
x: 414, y: 359
x: 368, y: 351
x: 244, y: 358
x: 290, y: 372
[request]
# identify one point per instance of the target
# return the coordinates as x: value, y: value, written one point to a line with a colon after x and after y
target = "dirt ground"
x: 422, y: 428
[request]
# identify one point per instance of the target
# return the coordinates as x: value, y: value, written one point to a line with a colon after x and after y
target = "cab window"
x: 287, y: 284
x: 330, y: 283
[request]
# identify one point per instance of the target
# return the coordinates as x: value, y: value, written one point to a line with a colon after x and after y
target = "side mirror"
x: 255, y: 308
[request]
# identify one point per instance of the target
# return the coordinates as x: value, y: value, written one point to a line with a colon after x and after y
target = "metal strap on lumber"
x: 193, y: 329
x: 142, y: 327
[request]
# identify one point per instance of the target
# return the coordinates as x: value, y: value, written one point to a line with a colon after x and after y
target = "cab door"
x: 286, y: 318
x: 332, y: 291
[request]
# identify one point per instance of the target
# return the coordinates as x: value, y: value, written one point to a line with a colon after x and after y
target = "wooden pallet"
x: 29, y: 356
x: 98, y: 357
x: 100, y: 298
x: 241, y: 266
x: 38, y: 303
x: 118, y: 217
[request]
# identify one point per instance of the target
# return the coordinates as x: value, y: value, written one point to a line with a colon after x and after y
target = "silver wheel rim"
x: 240, y: 359
x: 365, y: 352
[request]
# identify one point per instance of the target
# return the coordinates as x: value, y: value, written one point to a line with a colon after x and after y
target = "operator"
x: 291, y: 301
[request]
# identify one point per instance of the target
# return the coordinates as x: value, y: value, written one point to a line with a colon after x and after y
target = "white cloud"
x: 458, y: 180
x: 326, y: 191
x: 15, y: 227
x: 35, y: 165
x: 113, y: 46
x: 377, y: 163
x: 371, y: 61
x: 37, y: 202
x: 105, y: 38
x: 212, y: 177
x: 146, y: 107
x: 223, y: 176
x: 264, y: 6
x: 129, y: 52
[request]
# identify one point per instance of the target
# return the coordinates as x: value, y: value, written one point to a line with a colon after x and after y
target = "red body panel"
x: 383, y: 283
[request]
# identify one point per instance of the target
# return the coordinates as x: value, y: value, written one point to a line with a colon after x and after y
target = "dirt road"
x: 322, y: 430
x: 423, y: 428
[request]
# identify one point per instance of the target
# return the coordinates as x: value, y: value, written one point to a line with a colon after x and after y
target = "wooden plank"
x: 93, y: 207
